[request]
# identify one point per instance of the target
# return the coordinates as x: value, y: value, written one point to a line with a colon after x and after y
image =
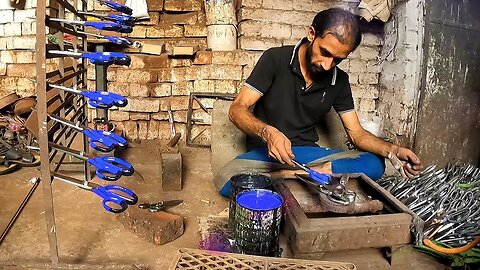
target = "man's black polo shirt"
x: 286, y: 105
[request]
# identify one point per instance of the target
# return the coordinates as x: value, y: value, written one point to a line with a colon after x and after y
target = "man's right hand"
x: 279, y: 146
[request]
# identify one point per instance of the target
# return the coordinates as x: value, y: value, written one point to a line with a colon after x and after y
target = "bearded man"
x: 289, y: 91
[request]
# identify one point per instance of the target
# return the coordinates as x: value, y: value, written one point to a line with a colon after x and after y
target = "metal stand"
x: 101, y: 82
x: 70, y: 72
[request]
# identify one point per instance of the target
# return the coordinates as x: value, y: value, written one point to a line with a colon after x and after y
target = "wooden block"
x: 152, y: 47
x: 399, y: 254
x: 183, y: 50
x: 158, y: 227
x: 171, y: 171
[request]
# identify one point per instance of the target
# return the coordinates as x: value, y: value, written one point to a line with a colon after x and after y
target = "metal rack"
x: 51, y: 103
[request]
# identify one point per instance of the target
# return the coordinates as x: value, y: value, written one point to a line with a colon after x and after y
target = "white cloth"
x: 139, y: 7
x: 375, y: 9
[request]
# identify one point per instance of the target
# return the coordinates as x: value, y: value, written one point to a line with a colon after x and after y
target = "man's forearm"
x: 370, y: 143
x: 244, y: 119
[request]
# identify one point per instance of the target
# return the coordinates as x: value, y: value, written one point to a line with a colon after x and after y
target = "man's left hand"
x: 412, y: 165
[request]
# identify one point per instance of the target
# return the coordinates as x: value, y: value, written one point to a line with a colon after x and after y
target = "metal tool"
x: 116, y: 6
x: 115, y: 198
x: 107, y: 168
x: 160, y: 206
x: 98, y: 99
x: 109, y: 26
x: 123, y: 19
x: 99, y: 140
x: 115, y: 40
x: 335, y: 192
x: 98, y: 58
x: 321, y: 178
x: 35, y: 182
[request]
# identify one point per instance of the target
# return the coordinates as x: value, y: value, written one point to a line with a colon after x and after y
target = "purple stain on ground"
x: 216, y: 242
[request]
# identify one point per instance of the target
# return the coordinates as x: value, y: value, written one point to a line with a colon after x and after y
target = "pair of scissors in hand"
x: 116, y: 199
x: 107, y: 168
x: 99, y: 140
x: 97, y: 99
x: 160, y: 206
x: 321, y: 178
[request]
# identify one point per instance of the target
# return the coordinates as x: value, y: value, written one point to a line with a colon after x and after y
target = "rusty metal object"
x: 189, y: 141
x: 8, y: 100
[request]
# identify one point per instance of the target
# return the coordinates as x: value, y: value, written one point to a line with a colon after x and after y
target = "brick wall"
x: 17, y: 48
x: 400, y: 77
x: 154, y: 81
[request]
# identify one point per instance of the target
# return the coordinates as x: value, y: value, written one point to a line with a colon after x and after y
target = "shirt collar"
x: 295, y: 63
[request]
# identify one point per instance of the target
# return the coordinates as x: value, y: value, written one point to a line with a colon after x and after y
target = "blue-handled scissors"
x: 97, y: 58
x: 99, y: 140
x: 116, y: 199
x: 118, y: 18
x: 107, y: 168
x: 97, y: 99
x: 109, y: 26
x: 116, y: 6
x: 321, y: 178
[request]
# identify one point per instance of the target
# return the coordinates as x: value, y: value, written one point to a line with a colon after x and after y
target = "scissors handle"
x: 115, y: 198
x: 103, y: 99
x: 111, y: 168
x: 103, y: 140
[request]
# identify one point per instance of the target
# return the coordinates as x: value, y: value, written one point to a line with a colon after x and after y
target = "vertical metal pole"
x: 101, y: 82
x: 43, y: 129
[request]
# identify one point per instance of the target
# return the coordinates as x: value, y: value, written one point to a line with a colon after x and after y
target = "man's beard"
x: 314, y: 70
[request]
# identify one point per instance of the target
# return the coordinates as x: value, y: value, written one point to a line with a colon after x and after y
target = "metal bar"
x: 43, y: 133
x: 72, y: 9
x: 101, y: 82
x: 190, y: 121
x: 35, y: 181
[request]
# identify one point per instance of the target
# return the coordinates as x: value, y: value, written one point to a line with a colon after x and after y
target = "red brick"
x: 161, y: 90
x: 225, y: 72
x: 182, y: 88
x: 194, y: 73
x: 154, y: 19
x: 155, y: 5
x: 116, y: 115
x: 257, y: 44
x: 3, y: 69
x: 176, y: 103
x: 184, y: 5
x: 226, y: 86
x: 139, y: 116
x: 139, y: 31
x: 203, y: 58
x: 21, y: 70
x: 182, y: 18
x: 160, y: 61
x: 135, y: 76
x: 172, y: 74
x: 165, y: 31
x: 198, y: 30
x: 204, y: 86
x: 180, y: 62
x: 160, y: 116
x: 224, y: 58
x: 120, y: 88
x: 152, y: 130
x: 131, y: 130
x: 142, y: 105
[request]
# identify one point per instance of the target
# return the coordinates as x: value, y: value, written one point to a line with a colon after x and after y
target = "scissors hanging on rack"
x: 116, y: 6
x: 116, y: 199
x: 123, y: 19
x: 107, y: 168
x: 97, y: 58
x: 109, y: 26
x: 97, y: 99
x: 99, y: 140
x: 114, y: 39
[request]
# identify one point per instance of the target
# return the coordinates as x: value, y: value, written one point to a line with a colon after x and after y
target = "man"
x: 290, y: 89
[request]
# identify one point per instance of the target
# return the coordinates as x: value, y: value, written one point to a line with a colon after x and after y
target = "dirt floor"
x: 87, y: 234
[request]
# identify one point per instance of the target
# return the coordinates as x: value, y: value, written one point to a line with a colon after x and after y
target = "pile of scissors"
x: 447, y: 199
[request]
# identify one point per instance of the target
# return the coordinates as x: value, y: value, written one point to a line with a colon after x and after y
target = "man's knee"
x: 370, y: 164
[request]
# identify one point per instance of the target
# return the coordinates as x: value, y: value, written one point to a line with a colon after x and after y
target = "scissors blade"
x: 171, y: 203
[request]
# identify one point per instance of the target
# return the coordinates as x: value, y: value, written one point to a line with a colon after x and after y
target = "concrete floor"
x: 87, y: 234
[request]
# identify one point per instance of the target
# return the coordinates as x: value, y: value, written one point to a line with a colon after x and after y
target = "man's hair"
x: 340, y: 23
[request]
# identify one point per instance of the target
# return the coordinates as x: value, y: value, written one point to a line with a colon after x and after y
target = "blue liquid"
x: 259, y: 200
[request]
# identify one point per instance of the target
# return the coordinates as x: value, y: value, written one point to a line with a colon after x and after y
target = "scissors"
x: 99, y: 140
x: 116, y: 199
x: 109, y: 26
x: 160, y: 206
x: 107, y: 168
x: 321, y: 178
x: 98, y: 99
x: 96, y: 58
